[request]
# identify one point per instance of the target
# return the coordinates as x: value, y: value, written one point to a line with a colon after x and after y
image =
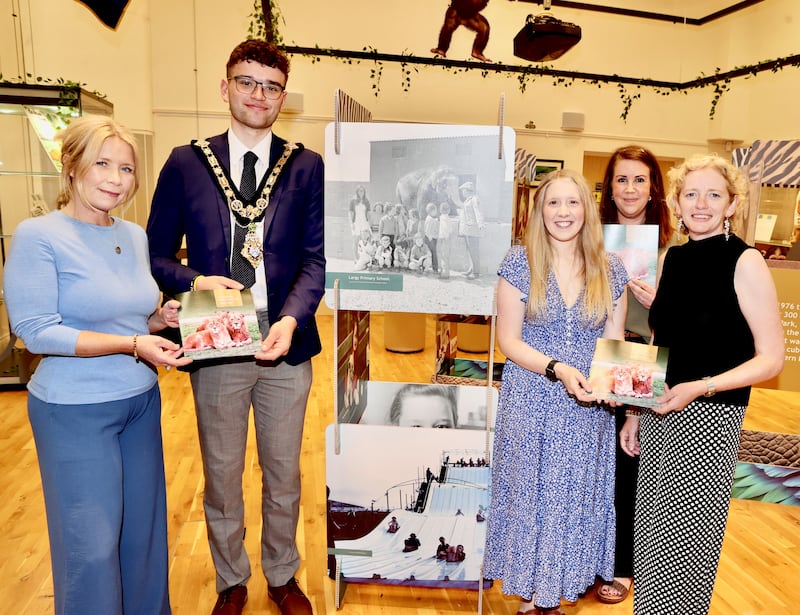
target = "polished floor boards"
x: 758, y: 573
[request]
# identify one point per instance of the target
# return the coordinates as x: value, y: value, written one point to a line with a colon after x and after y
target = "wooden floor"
x: 758, y: 574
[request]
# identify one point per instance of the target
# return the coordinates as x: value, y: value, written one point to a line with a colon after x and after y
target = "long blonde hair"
x: 597, y: 300
x: 81, y: 143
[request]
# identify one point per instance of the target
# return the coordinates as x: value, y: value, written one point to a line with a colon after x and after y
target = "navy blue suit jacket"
x: 187, y: 202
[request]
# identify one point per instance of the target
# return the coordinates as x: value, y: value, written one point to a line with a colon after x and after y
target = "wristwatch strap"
x: 550, y: 371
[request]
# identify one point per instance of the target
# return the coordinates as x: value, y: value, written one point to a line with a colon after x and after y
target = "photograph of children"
x: 435, y: 406
x: 420, y: 257
x: 417, y: 216
x: 396, y: 493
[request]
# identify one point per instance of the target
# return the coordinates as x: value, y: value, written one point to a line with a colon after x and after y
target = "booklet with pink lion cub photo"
x: 218, y: 323
x: 628, y: 372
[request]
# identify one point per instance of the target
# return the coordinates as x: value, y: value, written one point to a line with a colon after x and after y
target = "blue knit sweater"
x: 63, y: 276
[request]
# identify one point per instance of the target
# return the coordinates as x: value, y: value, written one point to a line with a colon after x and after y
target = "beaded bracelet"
x: 194, y: 281
x: 135, y: 349
x: 632, y: 412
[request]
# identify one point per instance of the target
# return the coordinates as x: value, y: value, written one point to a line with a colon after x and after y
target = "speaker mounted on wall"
x: 572, y: 121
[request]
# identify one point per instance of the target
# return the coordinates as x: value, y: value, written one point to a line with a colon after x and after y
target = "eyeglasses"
x: 248, y: 85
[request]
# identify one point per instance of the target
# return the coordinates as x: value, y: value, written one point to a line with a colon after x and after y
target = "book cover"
x: 218, y: 323
x: 637, y: 246
x: 628, y: 372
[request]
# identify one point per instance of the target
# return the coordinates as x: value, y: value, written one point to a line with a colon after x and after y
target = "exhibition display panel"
x: 417, y: 220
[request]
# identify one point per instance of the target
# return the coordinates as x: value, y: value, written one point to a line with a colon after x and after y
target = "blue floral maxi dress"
x: 551, y: 523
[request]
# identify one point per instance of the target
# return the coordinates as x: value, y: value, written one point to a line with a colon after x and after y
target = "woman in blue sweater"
x: 79, y: 292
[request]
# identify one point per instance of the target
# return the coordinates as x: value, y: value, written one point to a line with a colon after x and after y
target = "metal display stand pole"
x: 492, y: 338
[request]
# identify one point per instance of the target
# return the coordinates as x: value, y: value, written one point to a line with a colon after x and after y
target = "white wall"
x: 610, y: 45
x: 66, y: 40
x: 162, y: 67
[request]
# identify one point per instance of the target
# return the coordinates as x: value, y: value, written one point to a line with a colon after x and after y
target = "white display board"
x: 408, y: 168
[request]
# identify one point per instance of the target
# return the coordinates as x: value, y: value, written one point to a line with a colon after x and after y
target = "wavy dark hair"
x: 657, y: 211
x: 261, y: 52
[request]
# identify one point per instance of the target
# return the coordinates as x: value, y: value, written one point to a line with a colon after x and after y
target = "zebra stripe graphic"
x: 524, y: 165
x: 774, y: 163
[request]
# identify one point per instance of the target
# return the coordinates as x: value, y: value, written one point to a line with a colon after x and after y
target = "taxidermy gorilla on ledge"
x: 465, y: 13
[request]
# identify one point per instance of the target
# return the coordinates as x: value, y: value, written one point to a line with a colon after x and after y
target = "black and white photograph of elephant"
x: 442, y: 200
x: 422, y: 186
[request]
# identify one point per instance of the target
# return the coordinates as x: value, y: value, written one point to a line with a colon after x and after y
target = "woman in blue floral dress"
x: 551, y: 526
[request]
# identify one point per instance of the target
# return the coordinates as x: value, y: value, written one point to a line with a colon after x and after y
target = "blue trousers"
x: 102, y: 468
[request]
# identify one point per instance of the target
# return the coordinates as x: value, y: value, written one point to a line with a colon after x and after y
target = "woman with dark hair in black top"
x: 633, y: 193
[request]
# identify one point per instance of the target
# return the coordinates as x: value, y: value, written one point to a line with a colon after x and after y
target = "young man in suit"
x: 250, y: 206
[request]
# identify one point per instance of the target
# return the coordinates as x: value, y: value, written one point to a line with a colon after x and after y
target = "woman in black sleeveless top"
x: 716, y: 309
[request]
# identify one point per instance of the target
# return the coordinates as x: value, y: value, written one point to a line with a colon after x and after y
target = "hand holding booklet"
x: 628, y: 372
x: 218, y: 323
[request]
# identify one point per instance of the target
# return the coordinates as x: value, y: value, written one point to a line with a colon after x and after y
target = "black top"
x: 696, y: 314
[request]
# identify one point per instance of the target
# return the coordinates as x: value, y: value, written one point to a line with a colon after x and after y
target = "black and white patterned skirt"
x: 683, y: 492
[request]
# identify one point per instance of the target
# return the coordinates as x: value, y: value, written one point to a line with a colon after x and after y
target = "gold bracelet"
x: 632, y: 412
x: 135, y: 349
x: 194, y: 281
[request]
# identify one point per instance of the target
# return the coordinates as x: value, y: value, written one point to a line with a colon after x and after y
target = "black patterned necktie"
x: 241, y: 269
x: 247, y: 186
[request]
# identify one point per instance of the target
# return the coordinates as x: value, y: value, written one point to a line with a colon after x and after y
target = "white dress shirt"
x: 237, y: 152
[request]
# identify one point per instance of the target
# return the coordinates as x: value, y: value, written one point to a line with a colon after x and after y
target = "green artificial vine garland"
x: 719, y: 82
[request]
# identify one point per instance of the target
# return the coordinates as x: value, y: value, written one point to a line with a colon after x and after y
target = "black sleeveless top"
x: 696, y: 314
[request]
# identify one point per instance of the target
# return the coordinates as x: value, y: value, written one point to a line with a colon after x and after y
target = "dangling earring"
x: 681, y: 226
x: 726, y: 227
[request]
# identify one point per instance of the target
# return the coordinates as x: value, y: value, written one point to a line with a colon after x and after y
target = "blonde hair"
x: 735, y: 181
x: 597, y: 300
x: 81, y: 143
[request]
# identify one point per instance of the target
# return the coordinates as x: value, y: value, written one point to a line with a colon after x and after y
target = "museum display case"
x: 30, y: 117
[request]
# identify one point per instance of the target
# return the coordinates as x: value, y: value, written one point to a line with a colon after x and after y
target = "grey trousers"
x: 223, y: 396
